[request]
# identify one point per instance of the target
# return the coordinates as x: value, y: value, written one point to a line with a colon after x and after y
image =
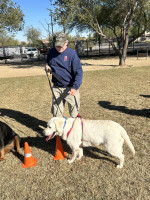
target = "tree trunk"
x: 123, y: 56
x: 122, y: 60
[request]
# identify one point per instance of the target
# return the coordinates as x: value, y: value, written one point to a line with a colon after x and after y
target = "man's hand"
x: 72, y: 92
x: 47, y: 68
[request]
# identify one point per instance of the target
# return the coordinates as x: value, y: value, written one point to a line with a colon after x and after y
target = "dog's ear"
x: 59, y: 125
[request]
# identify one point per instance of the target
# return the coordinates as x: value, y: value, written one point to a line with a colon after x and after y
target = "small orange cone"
x: 60, y: 154
x: 29, y: 161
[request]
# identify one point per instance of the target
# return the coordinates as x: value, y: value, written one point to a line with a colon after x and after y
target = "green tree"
x: 23, y: 43
x: 32, y: 34
x: 11, y: 16
x: 38, y: 43
x: 7, y: 40
x: 108, y: 18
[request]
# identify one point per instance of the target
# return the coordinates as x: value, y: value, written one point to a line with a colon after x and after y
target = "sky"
x: 35, y: 12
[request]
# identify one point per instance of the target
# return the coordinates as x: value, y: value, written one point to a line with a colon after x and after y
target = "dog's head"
x: 53, y: 128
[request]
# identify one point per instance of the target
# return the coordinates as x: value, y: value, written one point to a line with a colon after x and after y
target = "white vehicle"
x: 6, y: 53
x: 32, y: 52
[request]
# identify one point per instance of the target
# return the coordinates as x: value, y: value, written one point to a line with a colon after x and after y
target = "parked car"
x: 32, y: 52
x: 43, y: 50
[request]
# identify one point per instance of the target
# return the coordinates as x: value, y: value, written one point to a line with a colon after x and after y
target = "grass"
x: 121, y: 95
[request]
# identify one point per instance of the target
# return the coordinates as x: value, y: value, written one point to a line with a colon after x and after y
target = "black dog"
x: 8, y: 140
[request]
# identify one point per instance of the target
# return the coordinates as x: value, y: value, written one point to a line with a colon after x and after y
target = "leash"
x: 68, y: 133
x: 77, y: 106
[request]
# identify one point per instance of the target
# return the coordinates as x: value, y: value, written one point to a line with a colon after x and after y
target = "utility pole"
x: 52, y: 24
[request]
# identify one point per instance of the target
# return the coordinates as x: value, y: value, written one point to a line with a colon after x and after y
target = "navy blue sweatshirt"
x: 67, y: 66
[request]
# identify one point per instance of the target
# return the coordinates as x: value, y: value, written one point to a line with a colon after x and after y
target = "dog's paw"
x: 2, y: 159
x: 70, y: 161
x: 78, y: 158
x: 119, y: 167
x: 7, y: 150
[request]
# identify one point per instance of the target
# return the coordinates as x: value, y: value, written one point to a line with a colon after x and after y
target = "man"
x: 65, y: 64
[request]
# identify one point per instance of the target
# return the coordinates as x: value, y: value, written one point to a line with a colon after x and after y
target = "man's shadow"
x: 145, y: 96
x: 124, y: 109
x: 24, y: 119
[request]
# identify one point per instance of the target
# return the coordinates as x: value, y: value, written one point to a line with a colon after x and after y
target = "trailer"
x: 6, y: 53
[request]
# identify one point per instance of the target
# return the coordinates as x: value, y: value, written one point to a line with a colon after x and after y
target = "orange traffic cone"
x: 60, y: 154
x: 29, y: 161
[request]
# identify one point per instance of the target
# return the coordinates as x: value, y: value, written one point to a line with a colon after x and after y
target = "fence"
x: 142, y: 54
x: 84, y: 48
x: 95, y: 48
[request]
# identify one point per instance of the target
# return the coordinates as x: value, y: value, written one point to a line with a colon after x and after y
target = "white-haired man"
x: 65, y: 63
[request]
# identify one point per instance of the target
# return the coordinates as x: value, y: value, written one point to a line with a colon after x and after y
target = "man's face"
x: 60, y: 49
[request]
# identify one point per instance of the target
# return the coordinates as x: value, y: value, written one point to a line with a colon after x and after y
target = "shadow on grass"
x: 88, y: 64
x: 24, y: 119
x: 39, y: 143
x: 50, y: 147
x: 123, y: 109
x: 90, y: 152
x: 25, y: 63
x: 145, y: 96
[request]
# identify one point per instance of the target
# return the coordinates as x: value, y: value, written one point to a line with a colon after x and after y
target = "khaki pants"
x: 62, y: 96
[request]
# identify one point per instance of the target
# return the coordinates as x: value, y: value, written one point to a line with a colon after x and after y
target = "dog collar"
x: 65, y: 122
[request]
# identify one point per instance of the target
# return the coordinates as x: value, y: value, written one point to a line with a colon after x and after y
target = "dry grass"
x: 121, y: 95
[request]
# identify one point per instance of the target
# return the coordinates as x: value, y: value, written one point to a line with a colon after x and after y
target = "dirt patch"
x: 37, y: 68
x: 109, y: 63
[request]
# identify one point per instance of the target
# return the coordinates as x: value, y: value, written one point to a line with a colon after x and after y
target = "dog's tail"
x: 127, y: 140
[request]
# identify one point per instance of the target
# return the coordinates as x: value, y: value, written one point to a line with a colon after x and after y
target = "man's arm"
x: 78, y: 74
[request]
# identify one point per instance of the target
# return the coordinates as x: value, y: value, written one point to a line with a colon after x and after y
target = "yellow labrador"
x: 81, y: 132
